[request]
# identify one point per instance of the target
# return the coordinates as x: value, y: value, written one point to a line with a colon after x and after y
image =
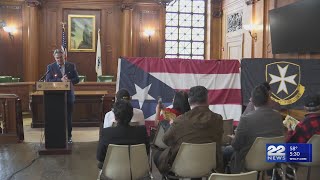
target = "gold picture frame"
x: 81, y: 33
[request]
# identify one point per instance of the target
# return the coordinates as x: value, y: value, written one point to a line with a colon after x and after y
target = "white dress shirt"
x: 137, y: 117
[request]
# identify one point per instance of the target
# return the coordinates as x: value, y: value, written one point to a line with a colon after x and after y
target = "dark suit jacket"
x: 272, y: 104
x: 121, y: 135
x: 199, y: 125
x: 54, y: 75
x: 263, y: 122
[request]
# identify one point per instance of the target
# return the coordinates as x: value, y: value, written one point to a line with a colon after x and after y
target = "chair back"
x: 157, y: 141
x: 118, y: 163
x: 104, y: 78
x: 227, y: 130
x: 256, y: 157
x: 315, y: 141
x: 15, y: 79
x: 243, y: 176
x: 195, y: 160
x: 5, y: 79
x: 139, y: 161
x: 82, y: 78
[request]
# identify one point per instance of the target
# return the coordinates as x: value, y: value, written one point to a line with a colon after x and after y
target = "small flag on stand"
x: 98, y: 56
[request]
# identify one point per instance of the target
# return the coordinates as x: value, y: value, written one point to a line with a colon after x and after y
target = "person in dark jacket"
x: 123, y: 133
x: 64, y: 71
x: 199, y: 125
x: 263, y: 122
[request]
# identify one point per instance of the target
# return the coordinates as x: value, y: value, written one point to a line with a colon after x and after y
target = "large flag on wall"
x: 290, y: 79
x: 98, y: 57
x: 148, y: 78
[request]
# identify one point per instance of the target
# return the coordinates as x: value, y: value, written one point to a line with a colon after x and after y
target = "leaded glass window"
x: 185, y: 29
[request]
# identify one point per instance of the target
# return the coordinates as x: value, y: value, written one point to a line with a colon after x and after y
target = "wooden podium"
x: 55, y: 117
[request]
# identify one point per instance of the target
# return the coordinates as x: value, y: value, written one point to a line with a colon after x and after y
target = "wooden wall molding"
x: 127, y: 6
x: 33, y: 3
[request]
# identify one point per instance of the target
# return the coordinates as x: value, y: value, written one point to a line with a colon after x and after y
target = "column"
x: 32, y: 59
x: 126, y: 30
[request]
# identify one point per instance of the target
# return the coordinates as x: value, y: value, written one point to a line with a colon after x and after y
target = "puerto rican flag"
x: 146, y: 79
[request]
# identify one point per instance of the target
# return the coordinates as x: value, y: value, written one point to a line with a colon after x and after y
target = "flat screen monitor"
x: 295, y: 28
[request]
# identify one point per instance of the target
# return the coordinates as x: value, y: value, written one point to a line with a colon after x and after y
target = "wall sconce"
x: 249, y: 2
x: 9, y: 29
x: 165, y: 2
x: 149, y: 33
x: 251, y: 28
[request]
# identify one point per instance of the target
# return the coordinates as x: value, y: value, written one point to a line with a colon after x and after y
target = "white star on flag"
x: 142, y: 94
x: 283, y: 79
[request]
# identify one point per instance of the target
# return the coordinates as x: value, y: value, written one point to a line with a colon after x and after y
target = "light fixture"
x: 165, y: 2
x: 149, y: 33
x: 9, y: 29
x: 249, y: 2
x: 251, y: 28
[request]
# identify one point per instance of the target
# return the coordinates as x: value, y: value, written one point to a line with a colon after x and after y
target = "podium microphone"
x: 42, y: 77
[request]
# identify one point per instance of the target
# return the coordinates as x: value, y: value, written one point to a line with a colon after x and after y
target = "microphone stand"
x: 42, y: 77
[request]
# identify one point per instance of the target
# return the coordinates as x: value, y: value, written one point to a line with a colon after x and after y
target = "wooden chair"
x: 11, y: 119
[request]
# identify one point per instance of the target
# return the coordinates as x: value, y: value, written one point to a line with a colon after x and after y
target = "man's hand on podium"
x: 65, y: 78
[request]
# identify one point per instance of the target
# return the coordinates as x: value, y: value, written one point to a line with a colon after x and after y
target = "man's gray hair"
x: 57, y: 51
x: 198, y: 95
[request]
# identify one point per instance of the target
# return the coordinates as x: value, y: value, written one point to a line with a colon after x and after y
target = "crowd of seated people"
x: 191, y: 121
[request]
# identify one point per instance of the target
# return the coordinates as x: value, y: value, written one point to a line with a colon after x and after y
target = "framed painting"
x: 81, y: 33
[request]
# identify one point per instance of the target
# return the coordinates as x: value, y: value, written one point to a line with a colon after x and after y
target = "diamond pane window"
x: 172, y: 33
x: 185, y: 29
x: 171, y: 47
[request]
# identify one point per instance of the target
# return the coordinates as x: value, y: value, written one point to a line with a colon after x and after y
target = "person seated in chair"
x: 138, y: 116
x: 262, y: 122
x: 199, y: 125
x: 123, y: 133
x: 274, y: 105
x: 306, y: 128
x: 180, y: 105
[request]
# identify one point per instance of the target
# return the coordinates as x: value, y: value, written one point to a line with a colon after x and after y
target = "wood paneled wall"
x: 256, y: 14
x: 109, y: 19
x: 11, y: 50
x: 148, y: 17
x: 49, y: 15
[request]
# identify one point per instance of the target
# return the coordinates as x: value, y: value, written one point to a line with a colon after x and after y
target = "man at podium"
x: 62, y: 71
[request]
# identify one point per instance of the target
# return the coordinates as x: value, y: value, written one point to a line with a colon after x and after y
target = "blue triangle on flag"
x: 131, y: 75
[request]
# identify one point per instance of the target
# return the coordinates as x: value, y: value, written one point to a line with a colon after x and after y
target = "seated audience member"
x: 138, y: 116
x: 199, y: 125
x: 263, y: 122
x: 306, y: 128
x: 123, y: 133
x: 274, y: 105
x: 180, y: 106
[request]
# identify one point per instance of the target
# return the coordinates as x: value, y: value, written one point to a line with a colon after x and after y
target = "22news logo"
x: 276, y: 153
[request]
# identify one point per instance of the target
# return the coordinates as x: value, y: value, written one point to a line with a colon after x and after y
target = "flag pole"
x: 64, y: 42
x: 98, y: 57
